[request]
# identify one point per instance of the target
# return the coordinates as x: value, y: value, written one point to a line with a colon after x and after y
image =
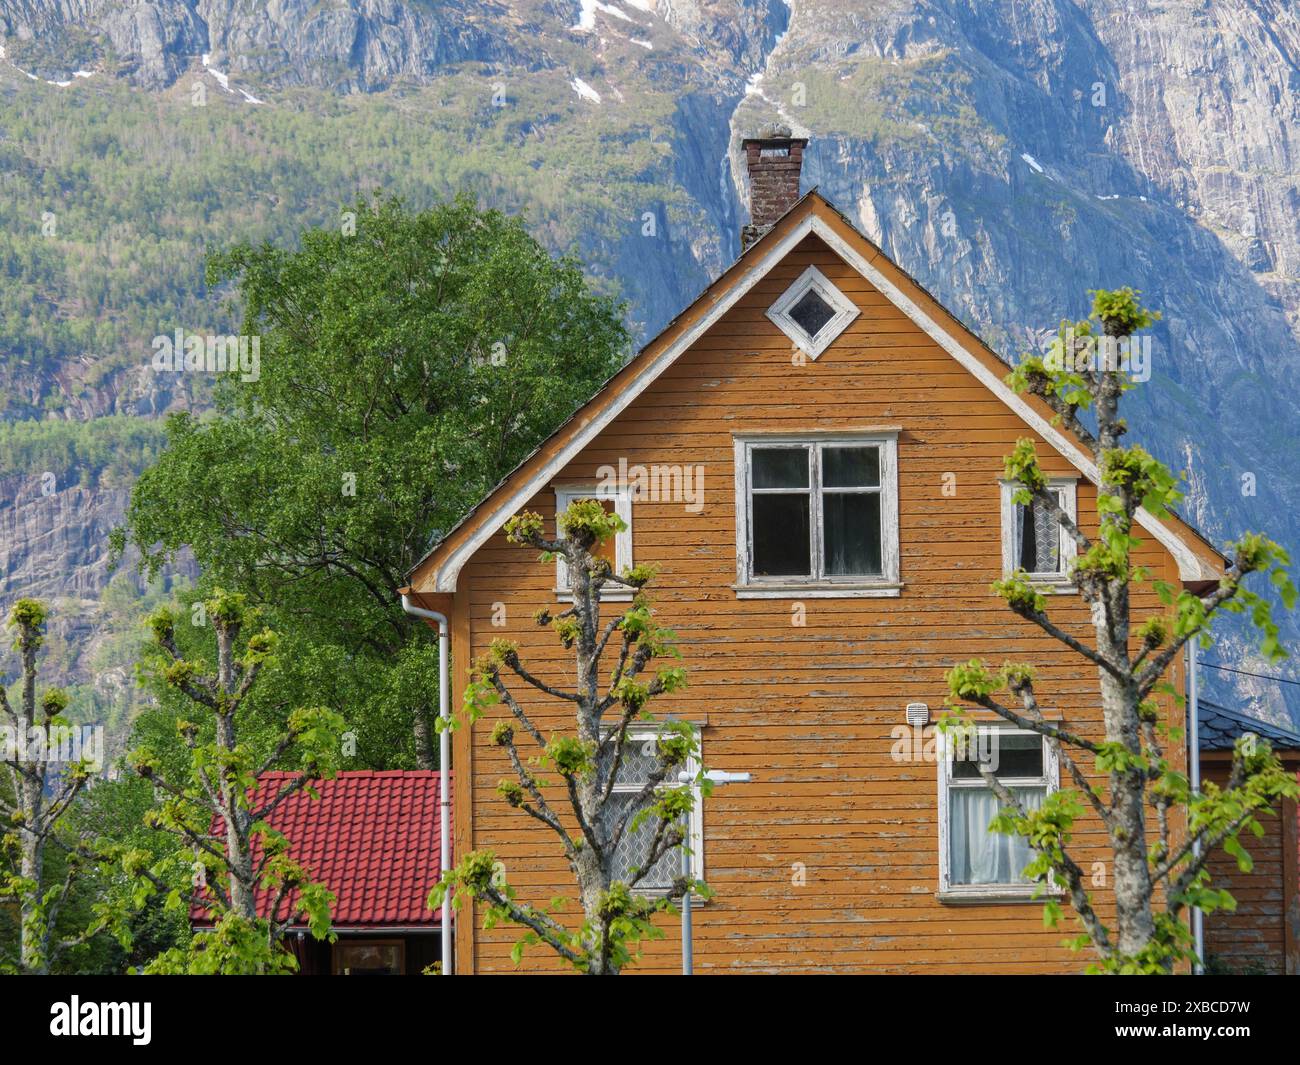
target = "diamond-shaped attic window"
x: 813, y: 312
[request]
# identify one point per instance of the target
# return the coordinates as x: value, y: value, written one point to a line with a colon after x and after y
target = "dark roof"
x: 372, y: 838
x: 1219, y: 728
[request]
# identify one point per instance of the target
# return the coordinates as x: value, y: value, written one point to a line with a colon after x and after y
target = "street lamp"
x: 717, y: 777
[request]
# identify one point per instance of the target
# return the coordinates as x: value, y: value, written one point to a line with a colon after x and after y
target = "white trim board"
x: 1190, y: 568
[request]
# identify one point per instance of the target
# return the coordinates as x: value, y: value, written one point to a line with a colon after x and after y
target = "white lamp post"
x: 716, y: 777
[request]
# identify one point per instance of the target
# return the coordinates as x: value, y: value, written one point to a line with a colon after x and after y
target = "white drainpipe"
x: 1194, y: 777
x: 444, y: 764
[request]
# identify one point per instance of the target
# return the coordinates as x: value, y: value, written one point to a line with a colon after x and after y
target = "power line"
x: 1248, y: 673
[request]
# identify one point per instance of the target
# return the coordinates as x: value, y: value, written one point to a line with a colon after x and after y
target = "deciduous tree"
x: 586, y: 759
x: 408, y: 361
x: 37, y: 800
x: 1160, y: 832
x: 230, y: 851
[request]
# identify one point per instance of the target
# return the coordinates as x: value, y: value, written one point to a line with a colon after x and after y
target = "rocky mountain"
x: 1009, y: 153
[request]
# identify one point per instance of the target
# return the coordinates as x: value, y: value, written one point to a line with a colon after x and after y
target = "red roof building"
x: 373, y: 839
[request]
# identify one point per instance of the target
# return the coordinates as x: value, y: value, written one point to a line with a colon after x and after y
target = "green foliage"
x: 1020, y: 593
x: 617, y: 918
x: 1071, y: 380
x: 211, y: 738
x: 587, y: 522
x: 234, y: 946
x: 142, y: 184
x: 913, y: 103
x: 103, y: 452
x: 377, y: 420
x: 1021, y: 466
x: 1120, y: 312
x: 571, y: 757
x: 28, y: 616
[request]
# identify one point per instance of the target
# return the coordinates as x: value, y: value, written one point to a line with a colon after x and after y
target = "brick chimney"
x: 774, y: 159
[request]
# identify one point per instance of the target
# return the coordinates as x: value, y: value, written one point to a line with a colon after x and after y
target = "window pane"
x: 1010, y: 756
x: 811, y: 312
x: 634, y: 848
x: 1037, y: 539
x: 851, y: 467
x: 780, y: 467
x: 780, y: 531
x: 978, y: 856
x: 640, y: 759
x: 369, y: 959
x: 851, y: 526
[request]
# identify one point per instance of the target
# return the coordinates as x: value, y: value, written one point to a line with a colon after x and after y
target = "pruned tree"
x: 228, y: 850
x: 1160, y: 833
x: 36, y: 801
x: 590, y: 824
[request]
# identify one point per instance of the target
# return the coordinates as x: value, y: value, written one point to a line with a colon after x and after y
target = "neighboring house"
x: 826, y: 446
x: 372, y: 839
x: 1263, y: 934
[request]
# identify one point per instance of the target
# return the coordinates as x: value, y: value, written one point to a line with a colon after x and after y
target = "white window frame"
x: 695, y: 827
x: 1058, y: 582
x: 1051, y: 779
x: 886, y: 585
x: 622, y: 496
x: 846, y: 311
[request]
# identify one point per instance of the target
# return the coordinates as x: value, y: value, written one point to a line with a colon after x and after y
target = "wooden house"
x: 812, y: 451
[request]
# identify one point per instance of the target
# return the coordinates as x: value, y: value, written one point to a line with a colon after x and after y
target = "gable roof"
x: 1197, y: 559
x: 372, y: 838
x: 1219, y: 728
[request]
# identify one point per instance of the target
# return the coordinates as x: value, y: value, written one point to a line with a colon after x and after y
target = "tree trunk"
x: 35, y: 935
x: 424, y: 758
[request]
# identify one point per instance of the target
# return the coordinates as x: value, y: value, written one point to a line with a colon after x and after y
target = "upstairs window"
x: 813, y: 312
x: 617, y: 550
x: 1032, y: 539
x: 817, y: 512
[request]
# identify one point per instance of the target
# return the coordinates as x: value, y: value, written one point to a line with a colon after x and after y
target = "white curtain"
x: 979, y: 856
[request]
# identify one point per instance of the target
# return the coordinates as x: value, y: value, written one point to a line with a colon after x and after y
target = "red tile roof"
x: 371, y: 838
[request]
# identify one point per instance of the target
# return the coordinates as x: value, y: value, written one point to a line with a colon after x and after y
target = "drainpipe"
x: 1194, y: 777
x: 444, y: 764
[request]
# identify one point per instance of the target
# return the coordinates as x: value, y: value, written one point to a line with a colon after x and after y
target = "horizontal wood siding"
x: 807, y: 710
x: 1254, y: 937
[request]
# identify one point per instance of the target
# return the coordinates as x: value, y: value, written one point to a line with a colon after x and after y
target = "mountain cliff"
x: 1008, y: 153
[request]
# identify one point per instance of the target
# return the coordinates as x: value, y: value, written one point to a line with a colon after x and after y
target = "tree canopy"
x: 407, y: 361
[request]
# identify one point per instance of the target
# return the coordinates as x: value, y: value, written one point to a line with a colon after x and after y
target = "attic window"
x: 813, y: 312
x: 1032, y: 540
x: 618, y: 551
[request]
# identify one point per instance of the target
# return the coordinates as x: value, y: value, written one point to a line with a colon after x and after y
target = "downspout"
x: 444, y: 764
x: 1194, y: 776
